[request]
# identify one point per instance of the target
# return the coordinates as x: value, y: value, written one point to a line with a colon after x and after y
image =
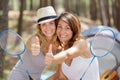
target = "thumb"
x: 49, y: 56
x: 50, y: 49
x: 37, y: 39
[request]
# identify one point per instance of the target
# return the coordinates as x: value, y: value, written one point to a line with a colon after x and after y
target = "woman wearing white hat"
x: 33, y: 64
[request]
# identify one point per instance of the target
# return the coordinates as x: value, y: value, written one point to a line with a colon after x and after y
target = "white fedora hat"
x: 46, y: 14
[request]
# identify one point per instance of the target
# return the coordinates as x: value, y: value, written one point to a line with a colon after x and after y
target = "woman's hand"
x: 35, y: 46
x: 49, y: 56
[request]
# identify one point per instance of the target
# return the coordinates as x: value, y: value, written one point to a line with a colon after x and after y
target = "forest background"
x: 20, y: 16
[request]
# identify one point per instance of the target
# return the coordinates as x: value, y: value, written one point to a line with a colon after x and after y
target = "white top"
x: 79, y: 66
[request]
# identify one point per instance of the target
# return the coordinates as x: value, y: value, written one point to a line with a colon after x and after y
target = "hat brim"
x: 48, y: 20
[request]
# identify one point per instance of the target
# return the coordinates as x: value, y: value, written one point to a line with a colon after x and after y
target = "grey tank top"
x: 34, y: 64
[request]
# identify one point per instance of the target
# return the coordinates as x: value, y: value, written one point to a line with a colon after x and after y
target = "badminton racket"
x: 101, y: 45
x: 13, y: 44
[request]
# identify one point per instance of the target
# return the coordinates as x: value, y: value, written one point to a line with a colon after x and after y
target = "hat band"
x: 45, y: 18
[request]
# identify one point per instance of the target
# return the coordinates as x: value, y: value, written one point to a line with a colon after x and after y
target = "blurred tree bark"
x: 93, y: 10
x: 31, y: 4
x: 20, y: 20
x: 116, y: 13
x: 53, y: 2
x: 104, y: 12
x: 83, y: 8
x: 24, y: 4
x: 3, y: 26
x: 67, y: 5
x: 78, y: 7
x: 43, y: 3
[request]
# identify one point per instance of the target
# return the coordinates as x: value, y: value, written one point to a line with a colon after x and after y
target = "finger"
x: 50, y: 49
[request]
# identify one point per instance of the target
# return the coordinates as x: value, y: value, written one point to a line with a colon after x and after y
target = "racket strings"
x: 11, y: 43
x: 103, y: 40
x: 102, y: 44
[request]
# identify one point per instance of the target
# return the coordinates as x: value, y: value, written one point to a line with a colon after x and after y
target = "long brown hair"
x: 74, y: 24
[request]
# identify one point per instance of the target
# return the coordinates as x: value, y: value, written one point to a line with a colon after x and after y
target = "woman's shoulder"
x: 82, y: 46
x: 81, y: 42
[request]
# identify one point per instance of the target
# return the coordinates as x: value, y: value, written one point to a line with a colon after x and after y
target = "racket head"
x: 102, y: 43
x: 12, y: 43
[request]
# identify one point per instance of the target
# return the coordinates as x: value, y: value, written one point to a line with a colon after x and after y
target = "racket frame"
x: 94, y: 56
x: 6, y: 51
x: 92, y: 52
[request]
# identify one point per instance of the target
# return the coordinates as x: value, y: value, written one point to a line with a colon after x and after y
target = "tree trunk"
x: 20, y: 20
x: 107, y: 12
x: 53, y: 3
x: 66, y: 5
x: 116, y: 13
x: 78, y: 7
x: 3, y: 26
x: 93, y: 10
x: 31, y: 5
x: 24, y: 4
x: 43, y: 3
x: 105, y: 16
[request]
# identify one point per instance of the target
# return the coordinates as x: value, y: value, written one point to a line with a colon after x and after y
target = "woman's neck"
x: 64, y: 46
x: 48, y: 38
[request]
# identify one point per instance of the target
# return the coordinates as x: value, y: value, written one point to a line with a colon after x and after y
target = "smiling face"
x: 64, y: 31
x: 68, y: 28
x: 48, y: 29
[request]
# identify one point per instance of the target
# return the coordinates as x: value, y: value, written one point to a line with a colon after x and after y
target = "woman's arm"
x: 79, y: 48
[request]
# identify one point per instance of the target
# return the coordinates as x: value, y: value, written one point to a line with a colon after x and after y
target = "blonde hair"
x: 44, y: 42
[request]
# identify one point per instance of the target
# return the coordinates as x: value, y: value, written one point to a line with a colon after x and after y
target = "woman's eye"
x: 58, y: 26
x: 52, y: 22
x: 67, y: 27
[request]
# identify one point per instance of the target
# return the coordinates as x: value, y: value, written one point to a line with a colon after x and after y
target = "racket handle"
x: 30, y: 78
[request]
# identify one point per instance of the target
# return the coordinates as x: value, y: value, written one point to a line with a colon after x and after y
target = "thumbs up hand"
x: 49, y: 56
x: 35, y: 46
